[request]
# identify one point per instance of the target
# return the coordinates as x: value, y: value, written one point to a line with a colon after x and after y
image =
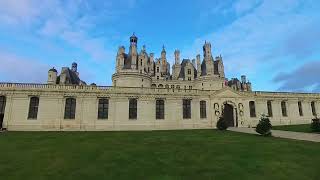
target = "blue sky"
x: 275, y: 43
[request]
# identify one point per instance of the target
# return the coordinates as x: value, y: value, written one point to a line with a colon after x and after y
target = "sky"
x: 275, y: 43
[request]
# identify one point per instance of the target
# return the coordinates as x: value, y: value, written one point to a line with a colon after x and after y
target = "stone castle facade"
x: 147, y: 94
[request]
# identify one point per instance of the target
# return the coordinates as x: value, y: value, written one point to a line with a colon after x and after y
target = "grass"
x: 296, y: 128
x: 187, y: 154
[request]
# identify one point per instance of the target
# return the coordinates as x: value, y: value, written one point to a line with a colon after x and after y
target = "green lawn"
x: 295, y: 128
x: 188, y: 154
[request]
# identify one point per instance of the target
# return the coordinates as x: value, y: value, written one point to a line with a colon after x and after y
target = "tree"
x: 264, y: 126
x: 315, y: 124
x: 222, y: 124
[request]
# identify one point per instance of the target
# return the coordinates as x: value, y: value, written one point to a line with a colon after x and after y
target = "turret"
x: 243, y: 79
x: 74, y: 67
x: 133, y: 53
x: 163, y: 61
x: 177, y: 57
x: 52, y: 76
x: 198, y: 65
x: 208, y: 59
x: 207, y: 51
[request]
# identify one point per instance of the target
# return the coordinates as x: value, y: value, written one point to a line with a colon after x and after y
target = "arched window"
x: 132, y: 108
x: 103, y: 108
x: 70, y: 108
x: 284, y: 109
x: 33, y: 108
x: 186, y: 109
x: 203, y: 109
x: 313, y: 109
x: 252, y: 107
x: 153, y: 85
x: 300, y: 108
x: 160, y: 86
x: 2, y: 104
x: 269, y: 106
x: 159, y: 109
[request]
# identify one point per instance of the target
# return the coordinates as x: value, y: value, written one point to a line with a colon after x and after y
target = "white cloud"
x: 246, y: 43
x: 19, y: 69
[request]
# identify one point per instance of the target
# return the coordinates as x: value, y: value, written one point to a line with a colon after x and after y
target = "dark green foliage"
x: 315, y: 125
x: 222, y: 124
x: 264, y: 126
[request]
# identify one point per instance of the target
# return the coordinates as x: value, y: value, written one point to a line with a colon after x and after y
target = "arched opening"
x: 228, y: 115
x: 2, y: 108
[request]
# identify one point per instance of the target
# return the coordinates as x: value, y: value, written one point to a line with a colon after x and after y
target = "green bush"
x: 315, y: 125
x: 264, y: 126
x: 222, y: 124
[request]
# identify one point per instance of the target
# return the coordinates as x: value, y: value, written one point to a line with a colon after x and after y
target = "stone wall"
x: 52, y: 105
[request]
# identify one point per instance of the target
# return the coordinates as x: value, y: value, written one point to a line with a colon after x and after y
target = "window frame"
x: 269, y: 108
x: 203, y: 109
x: 252, y: 108
x: 300, y: 108
x: 313, y: 108
x: 284, y: 110
x: 160, y: 109
x: 33, y: 107
x: 103, y: 108
x: 70, y: 108
x: 2, y: 104
x: 133, y: 108
x: 186, y: 108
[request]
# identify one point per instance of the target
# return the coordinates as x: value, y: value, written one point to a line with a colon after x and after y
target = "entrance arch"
x: 230, y: 114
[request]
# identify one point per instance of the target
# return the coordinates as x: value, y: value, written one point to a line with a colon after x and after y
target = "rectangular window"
x: 189, y: 71
x: 203, y: 110
x: 186, y: 109
x: 269, y: 106
x: 132, y: 108
x: 189, y: 78
x: 2, y: 104
x: 313, y: 109
x: 252, y: 109
x: 300, y: 108
x: 157, y: 69
x: 284, y: 108
x: 159, y: 109
x: 70, y: 108
x: 33, y: 108
x: 103, y: 108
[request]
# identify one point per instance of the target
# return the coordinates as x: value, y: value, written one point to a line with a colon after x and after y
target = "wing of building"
x: 149, y: 94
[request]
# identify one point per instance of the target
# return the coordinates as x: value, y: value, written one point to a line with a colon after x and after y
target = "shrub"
x: 315, y: 125
x: 264, y: 126
x: 222, y: 124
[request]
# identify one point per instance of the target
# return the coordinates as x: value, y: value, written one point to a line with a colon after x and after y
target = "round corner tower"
x: 127, y: 73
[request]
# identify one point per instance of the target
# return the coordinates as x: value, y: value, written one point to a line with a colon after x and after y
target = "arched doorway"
x: 2, y: 108
x: 228, y: 115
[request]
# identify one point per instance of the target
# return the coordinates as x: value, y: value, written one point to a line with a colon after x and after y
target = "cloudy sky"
x: 275, y: 43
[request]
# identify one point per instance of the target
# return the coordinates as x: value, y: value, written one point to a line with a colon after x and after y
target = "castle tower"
x: 52, y: 76
x: 163, y: 61
x: 74, y: 67
x: 177, y: 57
x: 220, y: 66
x: 207, y: 51
x: 133, y: 52
x: 120, y: 58
x: 208, y: 58
x: 198, y: 65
